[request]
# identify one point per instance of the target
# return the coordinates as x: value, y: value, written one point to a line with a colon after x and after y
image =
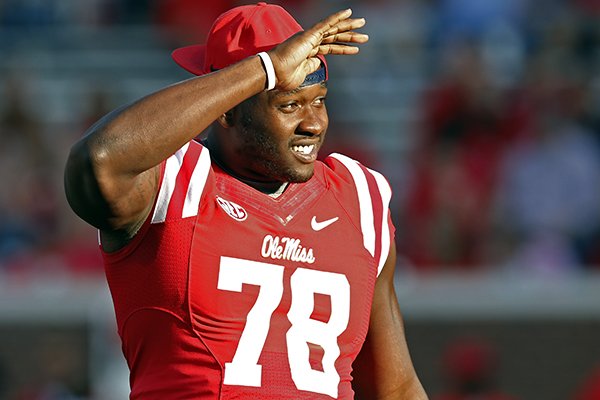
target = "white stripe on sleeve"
x: 172, y: 167
x: 364, y: 200
x: 196, y: 187
x: 386, y: 195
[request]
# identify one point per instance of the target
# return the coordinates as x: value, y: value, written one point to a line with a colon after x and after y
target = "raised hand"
x: 296, y: 58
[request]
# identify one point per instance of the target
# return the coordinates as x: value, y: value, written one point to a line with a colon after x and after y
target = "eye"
x: 289, y: 107
x: 320, y: 101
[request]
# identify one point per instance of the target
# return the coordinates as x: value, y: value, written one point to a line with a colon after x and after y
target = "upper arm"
x: 383, y: 369
x: 103, y: 193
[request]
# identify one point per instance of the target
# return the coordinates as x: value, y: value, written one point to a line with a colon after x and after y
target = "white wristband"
x: 270, y: 71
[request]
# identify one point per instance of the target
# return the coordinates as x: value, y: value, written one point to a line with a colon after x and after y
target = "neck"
x: 273, y: 189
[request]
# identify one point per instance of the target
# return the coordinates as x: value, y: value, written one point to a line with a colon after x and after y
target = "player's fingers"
x: 337, y: 49
x: 320, y: 28
x: 349, y: 24
x: 346, y: 37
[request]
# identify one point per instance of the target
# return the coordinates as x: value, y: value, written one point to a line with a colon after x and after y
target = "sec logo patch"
x: 232, y: 209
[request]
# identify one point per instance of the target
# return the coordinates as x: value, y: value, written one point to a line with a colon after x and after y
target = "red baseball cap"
x: 237, y: 34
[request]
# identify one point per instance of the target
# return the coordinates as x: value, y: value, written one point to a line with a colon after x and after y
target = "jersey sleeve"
x: 374, y: 194
x: 182, y: 184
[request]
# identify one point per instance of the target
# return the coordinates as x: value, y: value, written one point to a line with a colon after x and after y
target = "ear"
x: 226, y: 119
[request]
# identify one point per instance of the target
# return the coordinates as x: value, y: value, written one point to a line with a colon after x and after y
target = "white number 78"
x: 244, y: 368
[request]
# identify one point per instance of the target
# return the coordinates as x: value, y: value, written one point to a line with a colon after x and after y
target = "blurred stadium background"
x: 484, y: 114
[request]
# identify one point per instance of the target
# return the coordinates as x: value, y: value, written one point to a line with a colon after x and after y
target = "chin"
x: 301, y: 179
x: 291, y: 172
x: 301, y: 175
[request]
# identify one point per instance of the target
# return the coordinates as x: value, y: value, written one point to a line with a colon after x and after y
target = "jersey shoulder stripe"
x: 364, y: 199
x: 183, y: 181
x: 385, y: 192
x: 374, y: 195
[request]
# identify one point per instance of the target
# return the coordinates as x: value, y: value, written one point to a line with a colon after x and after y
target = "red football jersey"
x: 228, y: 293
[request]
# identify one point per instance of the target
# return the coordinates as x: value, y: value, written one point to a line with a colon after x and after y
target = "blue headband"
x: 316, y: 77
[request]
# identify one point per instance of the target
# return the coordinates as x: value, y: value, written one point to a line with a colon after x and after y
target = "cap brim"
x: 191, y: 58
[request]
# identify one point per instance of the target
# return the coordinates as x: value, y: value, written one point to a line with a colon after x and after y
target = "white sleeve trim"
x: 386, y: 195
x: 172, y: 167
x: 197, y: 182
x: 367, y: 224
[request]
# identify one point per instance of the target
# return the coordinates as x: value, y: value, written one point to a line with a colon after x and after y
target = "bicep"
x: 383, y: 369
x: 103, y: 197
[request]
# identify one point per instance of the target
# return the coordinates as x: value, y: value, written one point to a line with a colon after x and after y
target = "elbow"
x: 80, y: 180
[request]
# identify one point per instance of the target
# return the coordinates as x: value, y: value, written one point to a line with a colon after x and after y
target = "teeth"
x: 304, y: 149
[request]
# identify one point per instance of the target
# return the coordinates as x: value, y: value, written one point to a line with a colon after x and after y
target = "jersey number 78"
x: 244, y: 369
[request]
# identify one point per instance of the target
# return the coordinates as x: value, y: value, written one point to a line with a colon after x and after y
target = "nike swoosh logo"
x: 317, y: 226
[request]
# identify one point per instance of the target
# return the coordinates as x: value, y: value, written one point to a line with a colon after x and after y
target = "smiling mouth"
x: 306, y: 153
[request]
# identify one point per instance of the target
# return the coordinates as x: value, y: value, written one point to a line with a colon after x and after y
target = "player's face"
x: 281, y: 133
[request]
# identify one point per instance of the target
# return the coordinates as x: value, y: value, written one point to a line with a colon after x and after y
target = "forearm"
x: 410, y: 390
x: 384, y: 370
x: 138, y: 137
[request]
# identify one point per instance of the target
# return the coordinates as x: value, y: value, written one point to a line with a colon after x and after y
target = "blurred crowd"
x: 505, y: 171
x: 503, y: 166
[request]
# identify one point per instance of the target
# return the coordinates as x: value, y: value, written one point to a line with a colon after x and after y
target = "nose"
x: 314, y: 121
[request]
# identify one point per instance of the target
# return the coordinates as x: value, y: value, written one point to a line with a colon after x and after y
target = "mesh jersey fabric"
x: 227, y: 293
